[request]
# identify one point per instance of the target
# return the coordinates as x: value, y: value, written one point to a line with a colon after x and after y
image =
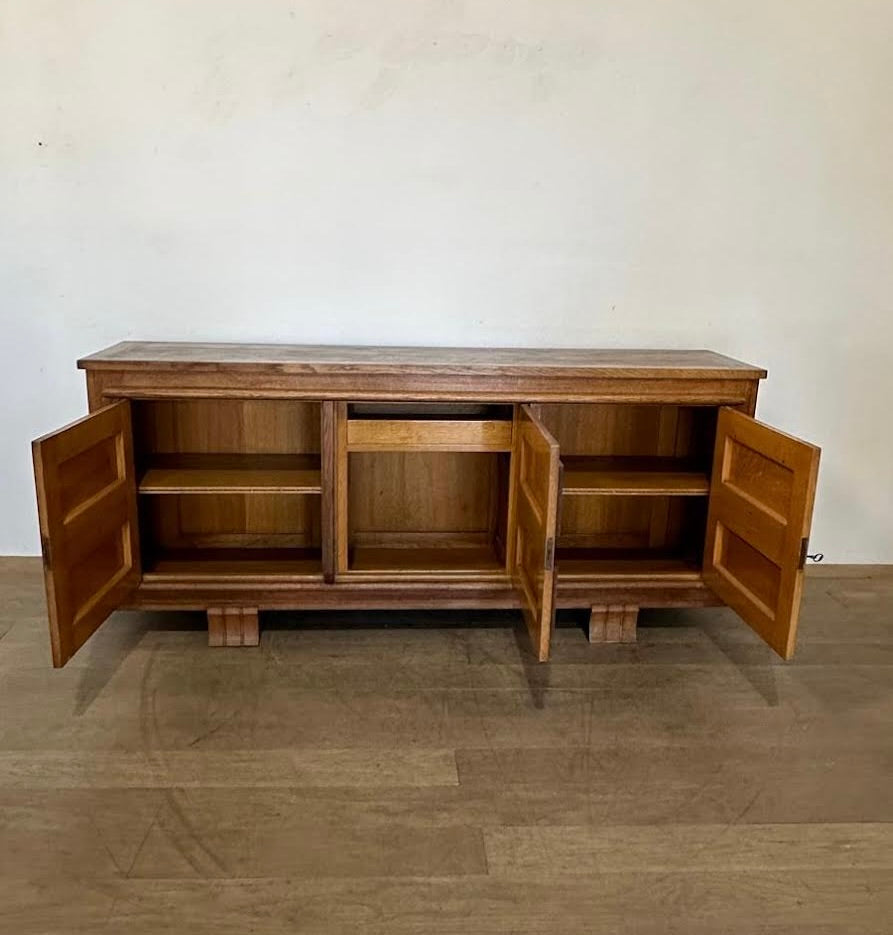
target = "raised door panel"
x: 86, y: 498
x: 759, y: 516
x: 536, y: 520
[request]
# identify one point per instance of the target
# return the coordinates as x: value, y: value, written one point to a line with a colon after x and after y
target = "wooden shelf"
x: 632, y: 564
x: 235, y: 563
x: 455, y: 560
x: 637, y: 477
x: 211, y: 473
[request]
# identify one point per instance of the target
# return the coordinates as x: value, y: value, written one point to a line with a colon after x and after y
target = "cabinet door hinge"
x: 804, y: 554
x: 45, y: 552
x: 550, y: 554
x: 804, y: 550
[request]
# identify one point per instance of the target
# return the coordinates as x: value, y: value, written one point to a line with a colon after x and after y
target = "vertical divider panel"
x: 341, y: 479
x: 512, y: 514
x: 327, y: 445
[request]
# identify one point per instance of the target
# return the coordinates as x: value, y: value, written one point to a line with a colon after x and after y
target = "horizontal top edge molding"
x: 592, y: 363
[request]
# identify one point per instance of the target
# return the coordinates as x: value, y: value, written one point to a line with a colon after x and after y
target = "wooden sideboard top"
x: 501, y: 361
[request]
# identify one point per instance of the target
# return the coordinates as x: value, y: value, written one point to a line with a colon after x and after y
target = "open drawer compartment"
x: 428, y: 427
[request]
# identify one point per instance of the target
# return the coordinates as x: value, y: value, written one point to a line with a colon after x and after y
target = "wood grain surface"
x: 296, y: 358
x: 758, y: 524
x: 187, y: 473
x: 393, y: 773
x: 644, y: 477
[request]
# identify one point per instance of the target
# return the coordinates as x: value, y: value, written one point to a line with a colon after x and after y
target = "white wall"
x: 664, y: 173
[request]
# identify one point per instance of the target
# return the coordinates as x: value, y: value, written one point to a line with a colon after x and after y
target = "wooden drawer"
x: 429, y: 435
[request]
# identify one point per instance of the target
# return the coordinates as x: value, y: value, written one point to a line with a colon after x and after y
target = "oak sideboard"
x: 234, y: 478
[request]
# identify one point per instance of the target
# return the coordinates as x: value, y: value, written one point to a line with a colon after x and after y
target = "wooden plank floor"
x: 395, y: 777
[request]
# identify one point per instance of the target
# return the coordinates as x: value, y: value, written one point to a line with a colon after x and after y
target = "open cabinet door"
x: 536, y: 519
x: 86, y: 500
x: 758, y: 521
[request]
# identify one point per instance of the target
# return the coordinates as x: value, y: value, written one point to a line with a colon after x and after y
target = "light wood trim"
x: 428, y: 435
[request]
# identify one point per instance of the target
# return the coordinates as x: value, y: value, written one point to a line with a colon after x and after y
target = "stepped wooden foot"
x: 233, y: 626
x: 614, y: 623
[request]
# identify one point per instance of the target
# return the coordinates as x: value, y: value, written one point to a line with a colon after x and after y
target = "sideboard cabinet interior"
x: 239, y: 478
